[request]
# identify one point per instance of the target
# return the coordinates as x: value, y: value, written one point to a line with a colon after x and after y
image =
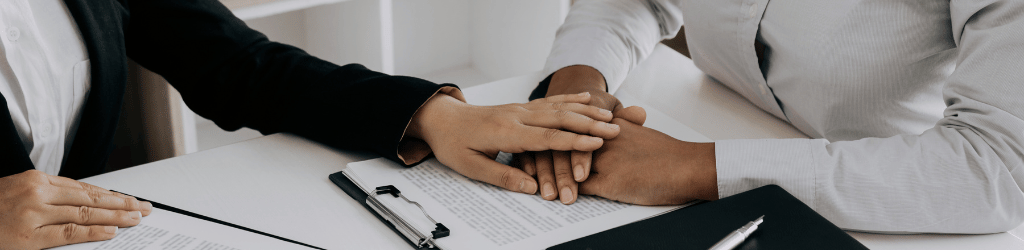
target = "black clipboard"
x: 206, y: 218
x: 788, y: 224
x: 362, y: 197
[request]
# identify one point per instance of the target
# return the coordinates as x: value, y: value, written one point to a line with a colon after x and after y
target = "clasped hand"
x: 639, y: 166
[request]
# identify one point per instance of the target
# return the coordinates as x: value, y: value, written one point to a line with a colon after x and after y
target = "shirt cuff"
x: 413, y: 150
x: 743, y: 165
x: 594, y: 47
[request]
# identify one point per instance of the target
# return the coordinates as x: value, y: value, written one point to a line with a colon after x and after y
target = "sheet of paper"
x: 166, y: 230
x: 482, y: 216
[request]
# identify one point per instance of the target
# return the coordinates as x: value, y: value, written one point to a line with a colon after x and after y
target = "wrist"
x: 432, y: 115
x: 697, y: 177
x: 575, y: 79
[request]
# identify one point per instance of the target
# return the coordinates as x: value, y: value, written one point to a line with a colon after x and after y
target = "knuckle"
x: 94, y: 197
x: 130, y: 203
x: 84, y: 215
x: 551, y: 134
x: 506, y: 179
x: 68, y: 231
x: 563, y: 114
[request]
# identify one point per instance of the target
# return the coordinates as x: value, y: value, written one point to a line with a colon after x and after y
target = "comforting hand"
x: 467, y: 138
x: 563, y: 169
x: 42, y: 211
x: 647, y: 167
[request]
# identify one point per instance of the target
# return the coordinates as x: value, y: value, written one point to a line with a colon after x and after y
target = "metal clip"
x: 407, y: 230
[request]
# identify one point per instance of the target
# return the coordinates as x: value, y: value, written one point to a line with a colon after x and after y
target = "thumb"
x: 487, y: 170
x: 634, y: 114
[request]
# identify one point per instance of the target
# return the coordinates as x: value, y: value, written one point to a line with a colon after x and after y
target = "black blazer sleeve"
x: 233, y: 75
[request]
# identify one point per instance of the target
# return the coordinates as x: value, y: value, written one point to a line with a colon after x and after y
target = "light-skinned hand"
x: 644, y: 166
x: 39, y: 211
x: 467, y: 138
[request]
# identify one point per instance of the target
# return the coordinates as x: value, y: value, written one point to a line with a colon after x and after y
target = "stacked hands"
x: 578, y: 140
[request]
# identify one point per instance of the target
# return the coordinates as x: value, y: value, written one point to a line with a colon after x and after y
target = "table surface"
x: 278, y: 183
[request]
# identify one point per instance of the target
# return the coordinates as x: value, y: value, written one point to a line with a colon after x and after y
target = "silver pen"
x: 736, y: 237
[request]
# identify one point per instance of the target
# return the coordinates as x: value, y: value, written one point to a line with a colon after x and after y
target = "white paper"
x: 166, y: 230
x: 482, y: 216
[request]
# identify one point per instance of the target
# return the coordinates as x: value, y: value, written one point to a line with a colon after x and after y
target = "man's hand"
x: 43, y: 211
x: 467, y: 138
x: 564, y: 169
x: 647, y: 167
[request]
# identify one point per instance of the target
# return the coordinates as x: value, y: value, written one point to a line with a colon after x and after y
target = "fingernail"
x: 578, y: 172
x: 548, y: 190
x: 147, y: 206
x: 110, y: 229
x: 585, y: 94
x: 595, y: 139
x: 528, y: 186
x: 612, y: 126
x: 136, y: 215
x: 605, y: 112
x: 566, y: 195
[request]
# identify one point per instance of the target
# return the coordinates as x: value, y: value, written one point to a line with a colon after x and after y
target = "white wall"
x: 511, y: 38
x: 430, y: 36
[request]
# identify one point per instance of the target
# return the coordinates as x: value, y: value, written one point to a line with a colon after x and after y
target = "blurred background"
x: 465, y: 42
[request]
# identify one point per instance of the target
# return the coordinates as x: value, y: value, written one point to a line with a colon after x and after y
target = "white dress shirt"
x: 44, y: 75
x: 916, y: 105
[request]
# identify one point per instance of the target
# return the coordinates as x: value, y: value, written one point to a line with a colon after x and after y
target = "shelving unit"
x: 466, y: 42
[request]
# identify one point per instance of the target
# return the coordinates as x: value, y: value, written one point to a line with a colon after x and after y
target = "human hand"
x: 38, y: 211
x: 564, y: 169
x: 467, y: 138
x: 647, y: 167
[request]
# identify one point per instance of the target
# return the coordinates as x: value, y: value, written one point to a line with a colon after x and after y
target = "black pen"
x: 736, y: 237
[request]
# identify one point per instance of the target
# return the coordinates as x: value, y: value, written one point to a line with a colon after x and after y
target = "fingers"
x: 66, y: 234
x: 96, y: 199
x: 634, y: 114
x: 563, y: 177
x: 489, y: 171
x: 88, y: 216
x: 546, y: 175
x: 593, y: 112
x: 528, y: 164
x: 571, y: 121
x: 581, y: 165
x: 539, y: 139
x: 581, y: 98
x: 146, y: 208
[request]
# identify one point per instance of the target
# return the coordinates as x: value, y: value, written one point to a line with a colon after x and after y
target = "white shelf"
x: 278, y: 7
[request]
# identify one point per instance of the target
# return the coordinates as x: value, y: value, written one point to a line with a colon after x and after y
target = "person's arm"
x: 965, y: 175
x: 599, y: 43
x: 612, y: 37
x: 234, y: 76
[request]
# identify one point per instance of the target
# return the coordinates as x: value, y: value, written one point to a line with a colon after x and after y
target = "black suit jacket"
x: 226, y: 72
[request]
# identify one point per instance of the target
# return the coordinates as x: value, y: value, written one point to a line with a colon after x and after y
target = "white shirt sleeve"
x: 965, y: 175
x: 613, y: 36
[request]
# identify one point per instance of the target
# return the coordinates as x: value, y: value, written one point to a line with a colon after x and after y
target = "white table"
x: 278, y: 183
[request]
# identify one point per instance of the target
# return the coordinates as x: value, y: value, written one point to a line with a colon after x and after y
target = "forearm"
x: 613, y: 36
x: 943, y: 181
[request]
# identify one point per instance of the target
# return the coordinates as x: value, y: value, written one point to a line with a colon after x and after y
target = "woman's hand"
x: 38, y: 211
x: 467, y: 138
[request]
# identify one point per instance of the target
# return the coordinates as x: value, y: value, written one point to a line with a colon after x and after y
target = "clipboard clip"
x: 407, y: 230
